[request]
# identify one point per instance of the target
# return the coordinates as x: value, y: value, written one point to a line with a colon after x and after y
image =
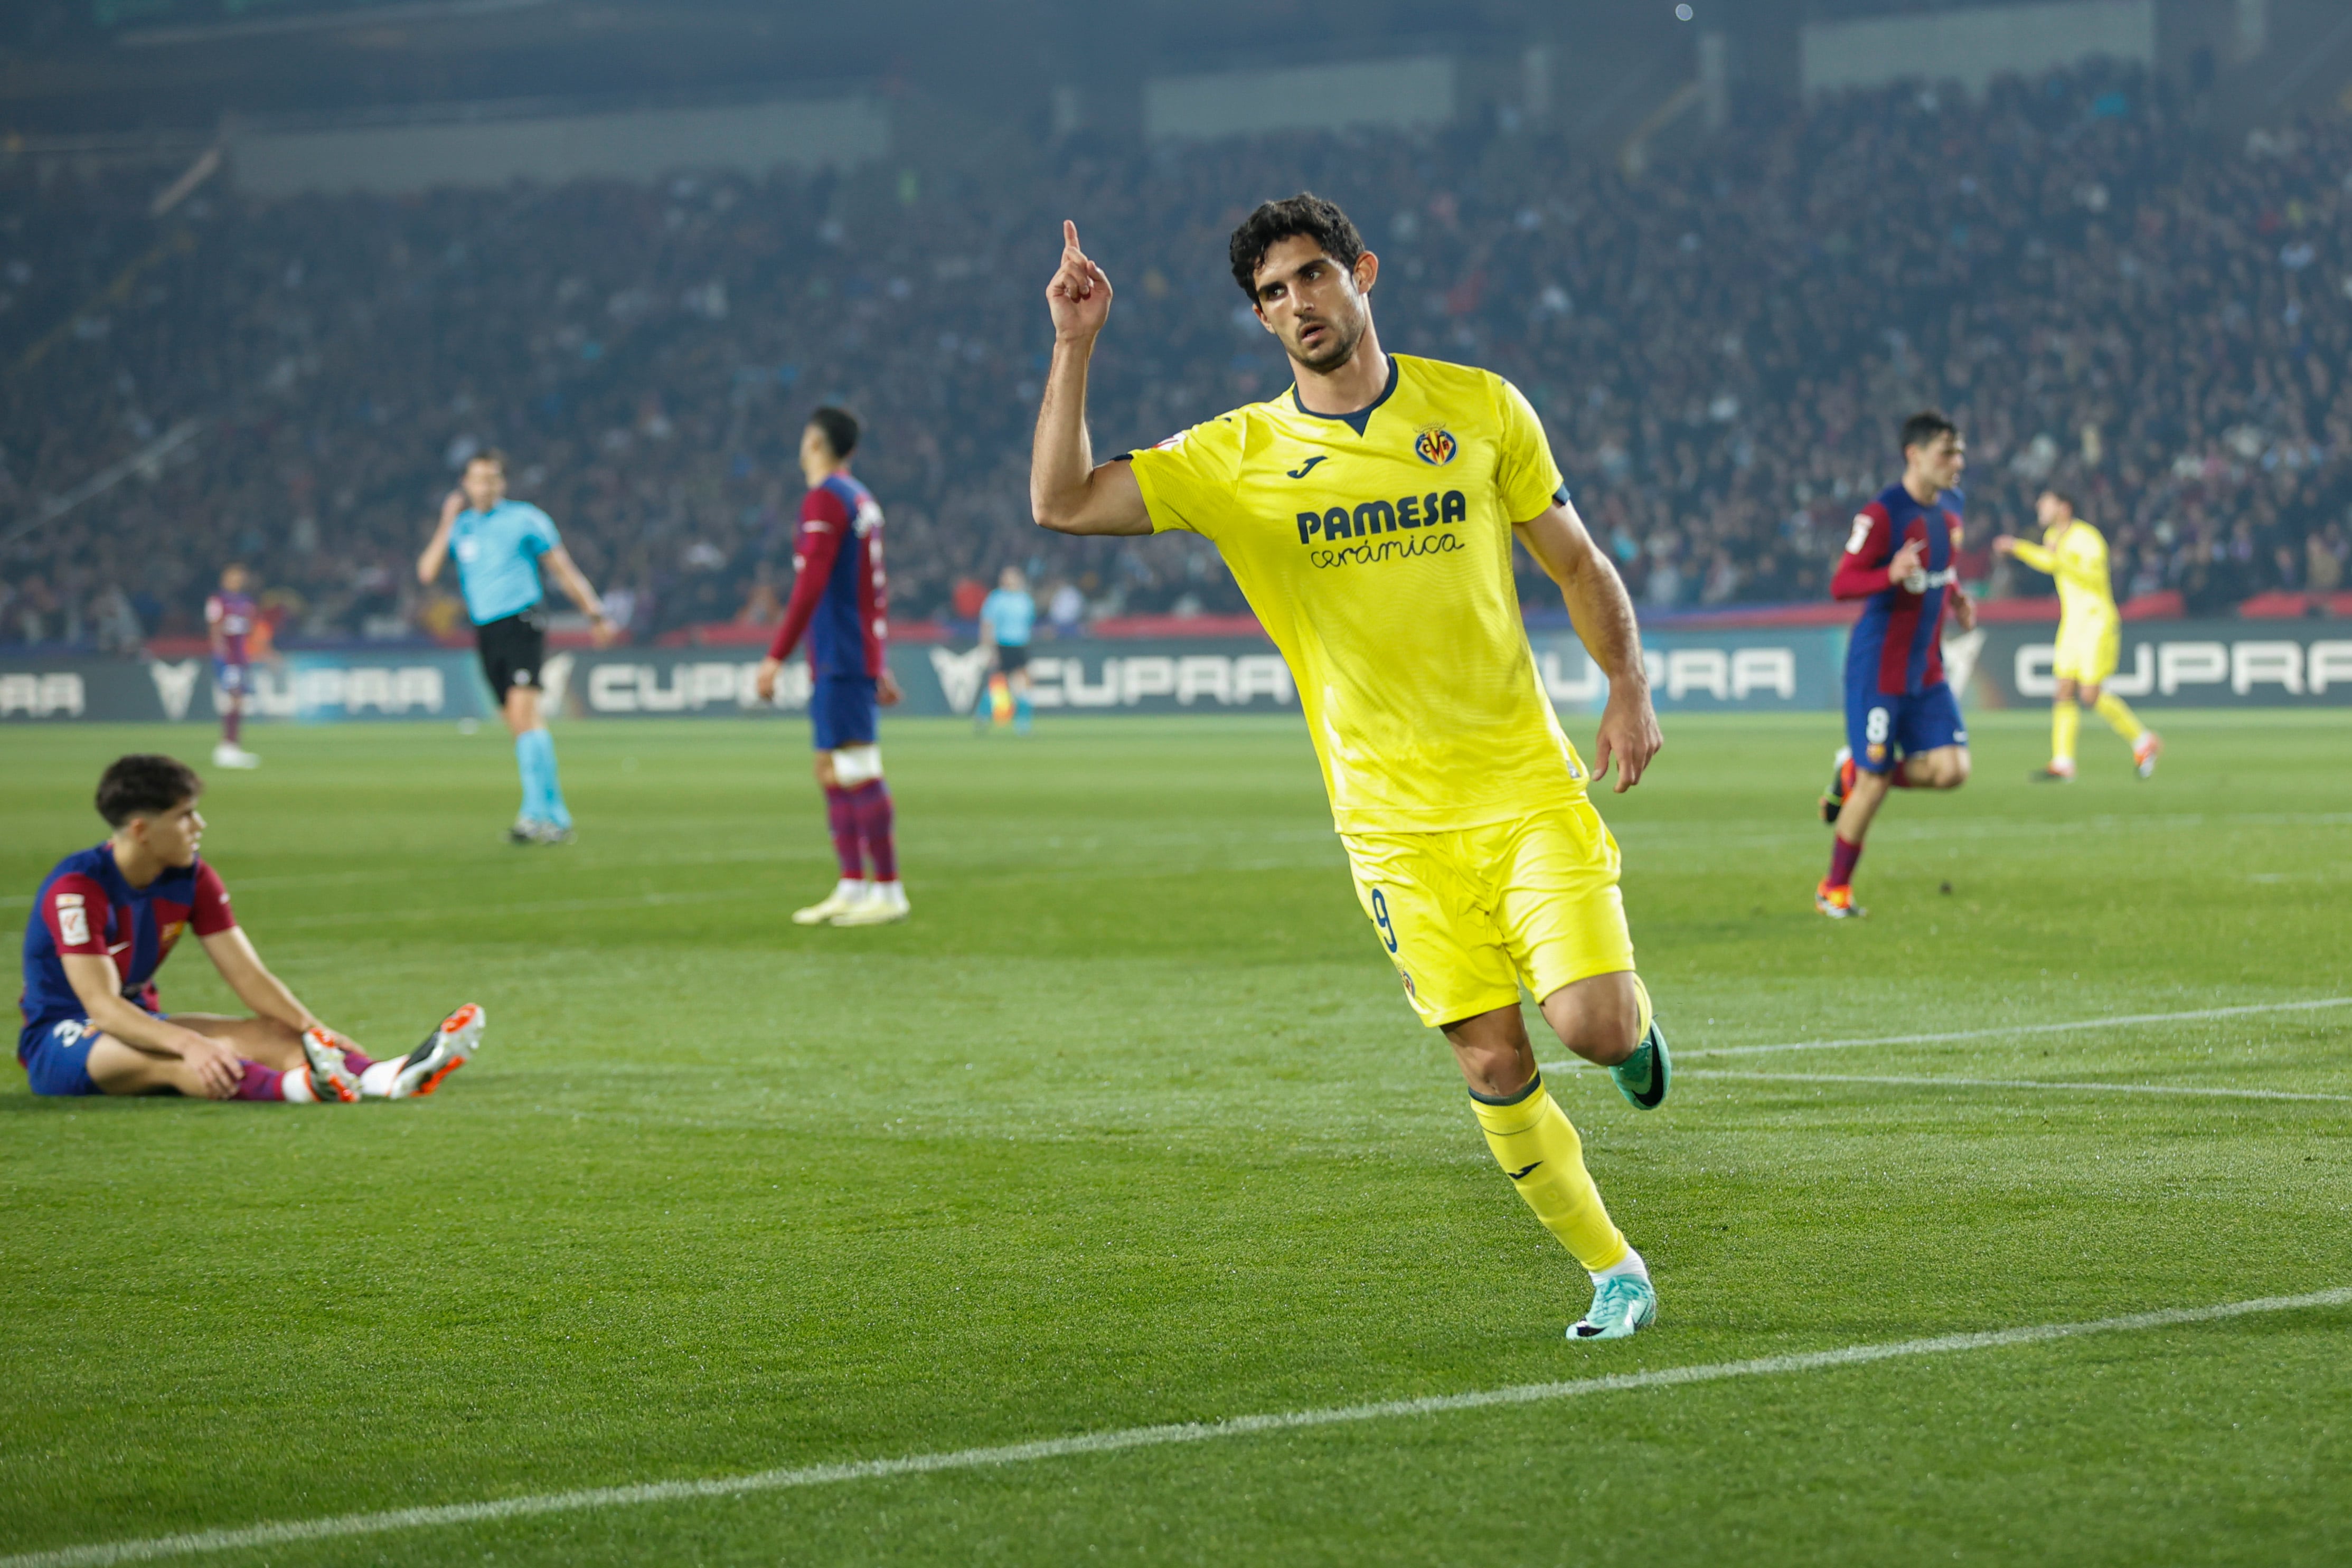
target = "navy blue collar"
x: 1362, y: 416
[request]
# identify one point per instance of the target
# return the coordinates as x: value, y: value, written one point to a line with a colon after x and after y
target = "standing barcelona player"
x: 1902, y: 723
x: 104, y: 921
x: 501, y: 546
x: 231, y: 620
x: 1368, y: 514
x: 2090, y: 633
x: 841, y: 599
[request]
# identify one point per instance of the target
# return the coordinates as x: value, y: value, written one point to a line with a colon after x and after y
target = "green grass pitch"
x: 1128, y: 1125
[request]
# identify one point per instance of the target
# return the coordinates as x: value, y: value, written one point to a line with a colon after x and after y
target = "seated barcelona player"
x: 104, y: 922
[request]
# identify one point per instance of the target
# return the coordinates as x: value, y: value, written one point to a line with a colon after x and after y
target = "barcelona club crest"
x: 1435, y: 446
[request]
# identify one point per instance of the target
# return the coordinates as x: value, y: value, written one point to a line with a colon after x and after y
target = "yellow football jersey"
x: 1376, y: 549
x: 2076, y: 555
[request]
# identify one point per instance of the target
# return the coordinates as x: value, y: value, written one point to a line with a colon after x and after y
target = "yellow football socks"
x: 1539, y: 1151
x: 1643, y: 1031
x: 2065, y: 724
x: 2118, y: 713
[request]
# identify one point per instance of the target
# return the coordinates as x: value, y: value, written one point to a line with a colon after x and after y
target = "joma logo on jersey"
x: 1435, y: 446
x: 1383, y: 517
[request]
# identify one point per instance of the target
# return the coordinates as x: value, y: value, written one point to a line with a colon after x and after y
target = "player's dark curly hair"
x: 1304, y: 214
x: 144, y: 784
x: 1926, y: 427
x: 840, y: 427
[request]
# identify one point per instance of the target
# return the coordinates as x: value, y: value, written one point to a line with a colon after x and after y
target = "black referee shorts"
x: 1012, y: 657
x: 512, y: 648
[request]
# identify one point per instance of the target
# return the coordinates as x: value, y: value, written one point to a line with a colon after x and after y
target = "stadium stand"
x: 2105, y: 294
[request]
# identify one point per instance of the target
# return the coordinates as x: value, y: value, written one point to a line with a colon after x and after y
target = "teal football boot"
x: 1624, y: 1303
x: 1643, y: 1076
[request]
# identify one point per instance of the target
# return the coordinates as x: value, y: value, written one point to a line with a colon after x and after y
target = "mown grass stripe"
x: 2118, y: 1020
x: 1927, y: 1081
x: 292, y: 1531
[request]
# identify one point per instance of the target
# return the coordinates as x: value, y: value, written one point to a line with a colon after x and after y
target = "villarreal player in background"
x: 2089, y: 631
x: 1368, y: 515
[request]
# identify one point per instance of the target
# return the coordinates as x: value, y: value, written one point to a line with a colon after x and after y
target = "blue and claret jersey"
x: 1899, y: 638
x: 497, y: 555
x: 230, y: 617
x: 840, y: 597
x: 1011, y: 616
x: 87, y: 906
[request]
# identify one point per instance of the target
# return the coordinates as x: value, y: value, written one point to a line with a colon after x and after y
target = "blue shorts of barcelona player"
x: 1882, y: 730
x: 843, y: 711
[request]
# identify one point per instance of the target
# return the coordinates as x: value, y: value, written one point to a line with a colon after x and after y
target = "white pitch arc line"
x: 2118, y: 1020
x: 1935, y: 1082
x: 289, y: 1533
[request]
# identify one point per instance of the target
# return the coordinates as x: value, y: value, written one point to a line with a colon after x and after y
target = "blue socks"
x: 542, y: 796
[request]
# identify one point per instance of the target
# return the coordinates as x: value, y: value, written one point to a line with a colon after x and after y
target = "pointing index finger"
x: 1070, y: 235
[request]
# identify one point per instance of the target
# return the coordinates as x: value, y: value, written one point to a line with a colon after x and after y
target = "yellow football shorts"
x: 1469, y: 916
x: 2087, y: 653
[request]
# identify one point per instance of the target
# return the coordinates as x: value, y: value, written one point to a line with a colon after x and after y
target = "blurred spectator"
x: 1066, y: 609
x: 2323, y: 569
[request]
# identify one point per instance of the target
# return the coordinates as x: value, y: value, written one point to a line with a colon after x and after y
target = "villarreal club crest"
x: 1435, y: 446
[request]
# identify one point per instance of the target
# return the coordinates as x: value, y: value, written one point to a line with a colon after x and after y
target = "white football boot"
x: 847, y: 894
x: 228, y: 756
x: 885, y: 903
x: 448, y: 1048
x: 331, y: 1077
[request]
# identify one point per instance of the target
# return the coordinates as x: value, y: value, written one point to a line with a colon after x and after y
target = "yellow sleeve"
x: 1187, y: 479
x: 2034, y: 556
x: 1526, y: 480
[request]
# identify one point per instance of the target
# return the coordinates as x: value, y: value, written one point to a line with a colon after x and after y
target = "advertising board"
x: 2204, y: 663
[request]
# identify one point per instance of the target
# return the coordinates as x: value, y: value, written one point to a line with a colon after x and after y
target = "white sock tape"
x: 856, y: 764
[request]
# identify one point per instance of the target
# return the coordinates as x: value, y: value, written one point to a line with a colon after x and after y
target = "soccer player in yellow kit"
x: 2089, y: 633
x: 1368, y: 514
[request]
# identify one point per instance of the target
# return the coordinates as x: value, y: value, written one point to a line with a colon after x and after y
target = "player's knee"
x: 1600, y: 1017
x: 1495, y: 1057
x: 1952, y: 769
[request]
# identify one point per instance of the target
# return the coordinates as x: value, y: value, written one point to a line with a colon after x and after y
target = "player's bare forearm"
x: 1068, y: 492
x: 1602, y: 613
x: 93, y: 982
x: 1964, y: 608
x: 241, y: 967
x: 1595, y: 595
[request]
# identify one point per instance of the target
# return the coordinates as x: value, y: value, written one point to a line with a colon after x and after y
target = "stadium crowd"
x: 2106, y: 296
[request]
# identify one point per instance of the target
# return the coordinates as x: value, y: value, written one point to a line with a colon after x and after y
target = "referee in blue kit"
x: 500, y: 546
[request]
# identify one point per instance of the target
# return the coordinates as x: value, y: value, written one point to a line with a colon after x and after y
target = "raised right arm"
x: 429, y: 565
x: 1068, y: 491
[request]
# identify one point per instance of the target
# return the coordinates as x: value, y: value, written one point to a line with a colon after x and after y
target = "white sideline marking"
x: 2117, y: 1021
x: 2015, y: 1084
x: 343, y: 1525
